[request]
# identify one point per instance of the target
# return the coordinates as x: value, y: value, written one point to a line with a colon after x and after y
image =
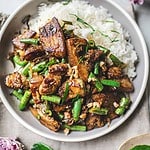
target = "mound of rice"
x: 108, y: 32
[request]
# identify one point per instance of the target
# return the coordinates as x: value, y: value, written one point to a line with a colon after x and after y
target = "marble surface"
x: 137, y: 124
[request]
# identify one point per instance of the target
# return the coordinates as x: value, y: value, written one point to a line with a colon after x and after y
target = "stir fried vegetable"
x: 124, y: 103
x: 30, y: 41
x: 19, y: 62
x: 24, y: 100
x: 68, y: 82
x: 52, y: 98
x: 77, y: 109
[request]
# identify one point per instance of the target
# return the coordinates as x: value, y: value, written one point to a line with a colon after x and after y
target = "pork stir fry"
x: 68, y: 82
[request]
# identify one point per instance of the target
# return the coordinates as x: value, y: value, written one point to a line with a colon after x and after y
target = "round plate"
x: 25, y: 118
x: 143, y: 139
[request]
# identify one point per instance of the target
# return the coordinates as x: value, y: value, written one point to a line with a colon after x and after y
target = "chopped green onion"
x: 116, y: 61
x: 92, y: 76
x: 61, y: 116
x: 49, y: 112
x: 63, y: 60
x: 96, y: 68
x: 52, y: 98
x: 83, y: 22
x: 115, y: 31
x: 112, y: 83
x: 32, y: 101
x: 99, y: 111
x: 99, y: 85
x: 30, y: 41
x: 38, y: 117
x: 66, y: 2
x: 53, y: 61
x: 91, y: 44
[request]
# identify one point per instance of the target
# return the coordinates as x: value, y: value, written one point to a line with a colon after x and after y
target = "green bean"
x: 116, y: 61
x: 96, y: 68
x: 98, y: 84
x: 25, y: 70
x: 51, y: 98
x: 112, y: 83
x: 30, y: 41
x: 18, y: 61
x: 99, y: 111
x: 124, y: 102
x: 77, y: 109
x: 24, y: 100
x: 120, y: 110
x: 76, y: 127
x: 39, y: 67
x: 17, y: 94
x: 66, y: 92
x: 40, y: 146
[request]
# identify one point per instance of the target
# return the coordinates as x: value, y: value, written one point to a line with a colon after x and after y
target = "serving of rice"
x: 108, y: 32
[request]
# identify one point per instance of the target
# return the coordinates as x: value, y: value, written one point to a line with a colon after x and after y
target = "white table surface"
x: 137, y: 124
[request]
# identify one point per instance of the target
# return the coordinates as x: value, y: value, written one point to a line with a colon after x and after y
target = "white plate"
x: 25, y: 118
x: 143, y: 139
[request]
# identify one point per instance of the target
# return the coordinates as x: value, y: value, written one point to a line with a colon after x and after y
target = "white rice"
x: 100, y: 19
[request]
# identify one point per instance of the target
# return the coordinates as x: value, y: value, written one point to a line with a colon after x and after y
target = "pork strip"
x: 52, y: 38
x: 26, y: 34
x: 74, y: 47
x: 46, y: 120
x: 34, y: 52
